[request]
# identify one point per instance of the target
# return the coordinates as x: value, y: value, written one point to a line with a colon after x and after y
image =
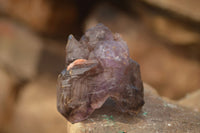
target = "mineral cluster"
x: 98, y: 67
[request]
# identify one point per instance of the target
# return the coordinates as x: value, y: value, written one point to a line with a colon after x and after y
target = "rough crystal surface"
x: 98, y: 67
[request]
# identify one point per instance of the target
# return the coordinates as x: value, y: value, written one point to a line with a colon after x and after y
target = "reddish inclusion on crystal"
x: 76, y: 62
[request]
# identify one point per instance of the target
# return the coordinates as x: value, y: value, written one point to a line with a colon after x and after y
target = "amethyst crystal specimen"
x: 98, y: 67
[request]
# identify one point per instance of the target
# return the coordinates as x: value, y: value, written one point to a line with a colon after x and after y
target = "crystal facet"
x: 98, y: 67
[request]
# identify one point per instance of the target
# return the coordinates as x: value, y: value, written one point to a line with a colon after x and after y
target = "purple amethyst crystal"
x: 98, y: 67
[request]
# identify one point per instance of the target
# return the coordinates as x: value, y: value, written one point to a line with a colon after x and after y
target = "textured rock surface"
x: 157, y: 116
x: 166, y: 67
x: 98, y: 67
x: 191, y: 101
